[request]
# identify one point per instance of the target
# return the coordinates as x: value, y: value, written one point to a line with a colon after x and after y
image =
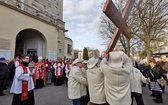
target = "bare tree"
x: 107, y: 29
x: 149, y: 22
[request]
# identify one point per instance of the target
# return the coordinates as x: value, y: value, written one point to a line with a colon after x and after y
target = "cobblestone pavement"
x: 57, y: 95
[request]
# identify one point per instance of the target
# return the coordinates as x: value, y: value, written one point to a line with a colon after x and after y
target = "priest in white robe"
x: 23, y: 85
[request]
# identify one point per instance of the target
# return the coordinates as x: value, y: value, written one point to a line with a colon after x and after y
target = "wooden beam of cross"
x: 119, y: 20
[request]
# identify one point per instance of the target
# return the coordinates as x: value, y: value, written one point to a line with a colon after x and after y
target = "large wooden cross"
x: 119, y: 20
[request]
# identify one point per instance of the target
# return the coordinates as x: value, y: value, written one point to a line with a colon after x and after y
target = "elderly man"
x: 23, y: 85
x: 95, y: 82
x: 137, y: 79
x: 84, y: 90
x: 75, y: 81
x: 116, y: 77
x: 3, y: 74
x: 67, y: 70
x: 84, y: 68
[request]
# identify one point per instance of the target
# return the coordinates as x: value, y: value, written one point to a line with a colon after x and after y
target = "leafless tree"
x: 148, y: 21
x: 107, y: 29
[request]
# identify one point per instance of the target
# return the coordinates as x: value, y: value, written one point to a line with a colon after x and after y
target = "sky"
x: 82, y: 19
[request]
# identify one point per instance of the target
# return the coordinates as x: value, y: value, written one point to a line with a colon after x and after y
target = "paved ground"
x: 48, y: 95
x: 52, y: 95
x: 148, y: 99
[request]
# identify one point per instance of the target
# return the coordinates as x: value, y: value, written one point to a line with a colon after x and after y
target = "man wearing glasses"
x: 23, y: 85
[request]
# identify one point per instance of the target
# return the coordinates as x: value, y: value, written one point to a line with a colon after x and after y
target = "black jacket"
x: 3, y: 70
x: 155, y: 73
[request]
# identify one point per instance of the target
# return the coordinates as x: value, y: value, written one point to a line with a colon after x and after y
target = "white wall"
x: 34, y: 41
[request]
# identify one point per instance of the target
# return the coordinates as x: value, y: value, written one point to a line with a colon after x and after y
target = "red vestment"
x: 40, y: 71
x: 24, y: 95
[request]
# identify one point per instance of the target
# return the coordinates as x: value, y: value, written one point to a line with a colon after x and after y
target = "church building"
x: 33, y: 27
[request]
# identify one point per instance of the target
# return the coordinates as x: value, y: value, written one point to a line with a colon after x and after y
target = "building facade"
x: 76, y: 53
x: 32, y: 26
x: 69, y: 52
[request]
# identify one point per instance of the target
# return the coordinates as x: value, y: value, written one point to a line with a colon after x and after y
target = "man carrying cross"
x: 116, y: 68
x: 116, y: 65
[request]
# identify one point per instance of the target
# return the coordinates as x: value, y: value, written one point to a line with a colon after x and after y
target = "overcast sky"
x: 82, y: 18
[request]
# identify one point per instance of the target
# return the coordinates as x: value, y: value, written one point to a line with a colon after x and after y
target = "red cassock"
x: 40, y: 71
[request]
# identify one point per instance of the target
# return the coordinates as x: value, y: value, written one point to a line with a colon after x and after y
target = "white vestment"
x: 17, y: 81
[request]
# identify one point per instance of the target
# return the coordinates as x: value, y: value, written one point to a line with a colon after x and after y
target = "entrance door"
x: 30, y: 41
x: 31, y: 51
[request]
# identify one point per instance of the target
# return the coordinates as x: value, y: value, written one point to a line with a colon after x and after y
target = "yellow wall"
x: 12, y: 22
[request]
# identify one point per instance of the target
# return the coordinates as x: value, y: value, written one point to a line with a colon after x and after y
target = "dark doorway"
x: 29, y: 42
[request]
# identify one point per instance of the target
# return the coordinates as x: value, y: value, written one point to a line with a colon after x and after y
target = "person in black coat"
x: 156, y: 72
x: 11, y: 66
x: 3, y: 74
x: 143, y: 69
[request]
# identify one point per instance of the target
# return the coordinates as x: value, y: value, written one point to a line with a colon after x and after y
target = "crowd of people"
x: 26, y: 72
x: 114, y: 80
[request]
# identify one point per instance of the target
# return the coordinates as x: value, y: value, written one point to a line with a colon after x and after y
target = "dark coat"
x: 12, y: 68
x: 156, y: 73
x: 3, y: 70
x: 164, y: 65
x: 144, y: 69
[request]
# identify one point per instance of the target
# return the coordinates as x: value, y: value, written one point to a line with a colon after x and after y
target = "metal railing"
x: 31, y: 10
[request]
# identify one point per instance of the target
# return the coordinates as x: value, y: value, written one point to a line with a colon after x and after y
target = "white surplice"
x: 17, y: 81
